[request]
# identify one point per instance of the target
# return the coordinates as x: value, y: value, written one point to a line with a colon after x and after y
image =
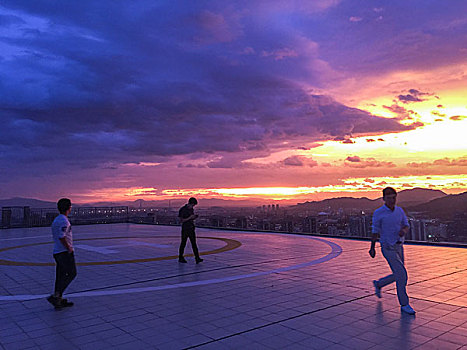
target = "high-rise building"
x: 309, y: 224
x: 418, y: 230
x: 360, y: 226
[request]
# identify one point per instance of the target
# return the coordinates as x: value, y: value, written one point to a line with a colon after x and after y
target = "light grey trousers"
x: 394, y: 255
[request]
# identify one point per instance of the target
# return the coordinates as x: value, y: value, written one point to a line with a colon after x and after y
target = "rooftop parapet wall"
x: 14, y: 217
x: 353, y: 227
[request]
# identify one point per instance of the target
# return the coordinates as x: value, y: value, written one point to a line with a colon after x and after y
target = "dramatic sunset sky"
x: 278, y: 100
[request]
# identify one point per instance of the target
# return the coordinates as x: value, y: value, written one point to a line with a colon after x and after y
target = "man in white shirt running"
x: 391, y: 224
x: 63, y: 254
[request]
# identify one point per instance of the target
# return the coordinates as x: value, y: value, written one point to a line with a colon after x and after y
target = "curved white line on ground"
x: 336, y: 250
x: 43, y: 236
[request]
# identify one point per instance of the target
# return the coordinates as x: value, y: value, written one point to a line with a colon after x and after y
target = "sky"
x: 271, y: 100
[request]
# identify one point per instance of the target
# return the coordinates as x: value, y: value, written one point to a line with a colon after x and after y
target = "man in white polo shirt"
x: 63, y: 254
x: 391, y: 224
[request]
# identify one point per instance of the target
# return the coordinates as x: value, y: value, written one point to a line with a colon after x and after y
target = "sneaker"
x: 54, y: 301
x: 66, y: 303
x: 408, y: 309
x: 377, y: 289
x: 182, y: 260
x: 199, y: 260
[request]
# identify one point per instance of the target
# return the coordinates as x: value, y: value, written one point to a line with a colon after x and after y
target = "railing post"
x: 27, y: 216
x: 6, y: 217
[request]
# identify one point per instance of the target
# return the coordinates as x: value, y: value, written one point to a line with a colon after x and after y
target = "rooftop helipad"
x: 253, y: 291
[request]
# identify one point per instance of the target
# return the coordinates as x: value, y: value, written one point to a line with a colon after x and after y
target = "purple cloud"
x: 299, y: 161
x: 458, y: 162
x: 353, y: 159
x: 89, y: 84
x: 294, y: 161
x: 414, y: 95
x: 349, y: 141
x: 409, y: 98
x: 357, y: 162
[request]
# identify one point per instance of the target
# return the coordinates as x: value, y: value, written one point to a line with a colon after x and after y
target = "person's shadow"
x: 379, y: 312
x: 405, y: 330
x: 404, y: 327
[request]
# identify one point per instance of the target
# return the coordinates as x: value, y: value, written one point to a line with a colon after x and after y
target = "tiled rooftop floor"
x: 275, y: 291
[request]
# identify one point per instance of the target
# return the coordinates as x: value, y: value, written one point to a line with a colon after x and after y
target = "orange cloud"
x: 357, y: 162
x: 299, y: 161
x: 439, y: 114
x: 440, y: 162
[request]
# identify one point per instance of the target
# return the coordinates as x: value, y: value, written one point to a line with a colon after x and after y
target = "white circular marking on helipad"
x: 336, y: 250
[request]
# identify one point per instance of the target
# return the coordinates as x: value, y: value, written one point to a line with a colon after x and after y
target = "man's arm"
x: 404, y: 230
x: 372, y: 250
x: 405, y: 225
x: 376, y: 229
x: 63, y: 232
x: 191, y: 217
x: 66, y: 245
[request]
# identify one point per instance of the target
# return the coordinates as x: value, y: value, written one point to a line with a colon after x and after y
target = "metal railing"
x: 14, y: 217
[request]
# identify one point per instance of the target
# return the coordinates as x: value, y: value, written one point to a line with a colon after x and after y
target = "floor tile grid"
x: 288, y: 281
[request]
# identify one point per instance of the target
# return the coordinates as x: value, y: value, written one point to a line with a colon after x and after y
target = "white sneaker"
x: 377, y: 289
x: 408, y: 309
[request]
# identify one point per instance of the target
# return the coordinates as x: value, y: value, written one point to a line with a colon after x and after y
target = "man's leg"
x: 384, y: 281
x: 60, y: 274
x: 181, y: 250
x: 402, y: 277
x: 70, y: 267
x: 66, y: 271
x: 395, y: 258
x: 192, y: 237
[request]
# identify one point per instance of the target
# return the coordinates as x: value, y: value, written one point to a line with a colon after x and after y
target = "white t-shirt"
x: 388, y: 223
x: 61, y: 227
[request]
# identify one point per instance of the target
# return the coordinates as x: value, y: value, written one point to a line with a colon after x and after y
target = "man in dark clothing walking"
x: 187, y: 217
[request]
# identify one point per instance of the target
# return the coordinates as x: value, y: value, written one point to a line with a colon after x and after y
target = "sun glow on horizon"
x: 350, y: 185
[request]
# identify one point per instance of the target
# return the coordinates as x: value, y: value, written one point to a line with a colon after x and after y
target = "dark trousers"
x: 191, y: 235
x: 65, y: 271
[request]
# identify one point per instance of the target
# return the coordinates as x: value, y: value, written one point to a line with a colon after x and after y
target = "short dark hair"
x: 63, y: 205
x: 388, y: 191
x: 193, y: 201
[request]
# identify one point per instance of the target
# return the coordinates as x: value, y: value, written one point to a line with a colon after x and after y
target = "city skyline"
x: 255, y: 100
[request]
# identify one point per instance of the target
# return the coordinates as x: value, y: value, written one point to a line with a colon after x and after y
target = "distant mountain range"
x: 26, y: 202
x: 434, y: 203
x: 204, y: 202
x: 177, y: 203
x: 424, y: 202
x: 405, y: 198
x: 445, y: 207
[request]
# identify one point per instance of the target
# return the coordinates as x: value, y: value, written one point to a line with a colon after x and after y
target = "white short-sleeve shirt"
x: 61, y: 228
x: 388, y: 223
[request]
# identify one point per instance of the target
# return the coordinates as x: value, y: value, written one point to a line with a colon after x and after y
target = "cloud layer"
x: 100, y: 85
x: 143, y: 82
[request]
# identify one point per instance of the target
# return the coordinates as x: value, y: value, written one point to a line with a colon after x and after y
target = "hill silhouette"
x: 445, y: 207
x: 411, y: 198
x: 26, y: 202
x: 417, y: 196
x: 405, y: 198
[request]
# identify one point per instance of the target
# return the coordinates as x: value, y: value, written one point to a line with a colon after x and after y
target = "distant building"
x: 417, y: 230
x: 360, y: 226
x: 309, y: 224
